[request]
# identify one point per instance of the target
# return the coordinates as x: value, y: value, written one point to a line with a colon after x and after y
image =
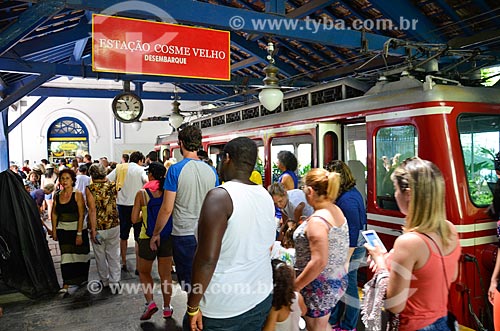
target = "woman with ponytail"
x: 322, y: 245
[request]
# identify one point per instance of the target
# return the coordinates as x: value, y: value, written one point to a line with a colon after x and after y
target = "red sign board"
x: 143, y: 47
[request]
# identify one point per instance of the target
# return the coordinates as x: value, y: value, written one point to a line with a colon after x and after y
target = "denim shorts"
x: 439, y: 325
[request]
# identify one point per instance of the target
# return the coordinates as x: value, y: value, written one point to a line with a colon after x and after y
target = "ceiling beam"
x: 26, y: 89
x: 28, y: 21
x: 85, y: 71
x: 78, y: 50
x: 26, y: 113
x: 309, y: 8
x: 399, y: 10
x: 245, y: 63
x: 222, y: 17
x: 275, y: 6
x: 254, y: 50
x: 111, y: 93
x: 53, y: 40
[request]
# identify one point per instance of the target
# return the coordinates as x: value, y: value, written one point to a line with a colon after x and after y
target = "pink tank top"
x: 428, y: 296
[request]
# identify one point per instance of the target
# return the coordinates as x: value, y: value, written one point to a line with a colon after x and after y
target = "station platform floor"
x: 86, y: 311
x: 105, y: 311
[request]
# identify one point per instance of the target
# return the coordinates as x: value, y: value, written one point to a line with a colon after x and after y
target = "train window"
x: 392, y: 145
x: 480, y: 141
x: 166, y: 153
x: 214, y: 153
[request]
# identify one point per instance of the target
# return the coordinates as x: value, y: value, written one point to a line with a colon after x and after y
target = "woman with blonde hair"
x: 425, y: 258
x: 321, y: 244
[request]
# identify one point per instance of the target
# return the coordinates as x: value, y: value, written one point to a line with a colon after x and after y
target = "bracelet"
x: 194, y: 312
x: 78, y: 233
x: 192, y: 308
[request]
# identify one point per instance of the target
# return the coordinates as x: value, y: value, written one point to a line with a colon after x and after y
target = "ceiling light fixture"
x: 176, y: 118
x: 271, y: 96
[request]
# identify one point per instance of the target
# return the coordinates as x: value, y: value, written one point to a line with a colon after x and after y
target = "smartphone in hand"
x: 373, y: 239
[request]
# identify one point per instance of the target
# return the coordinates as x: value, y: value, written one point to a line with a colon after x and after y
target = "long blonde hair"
x: 426, y: 210
x: 326, y: 184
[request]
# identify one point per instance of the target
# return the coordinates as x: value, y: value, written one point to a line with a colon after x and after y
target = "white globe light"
x: 176, y: 120
x: 270, y: 98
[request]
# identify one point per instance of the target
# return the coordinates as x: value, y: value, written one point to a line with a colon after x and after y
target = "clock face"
x: 127, y: 107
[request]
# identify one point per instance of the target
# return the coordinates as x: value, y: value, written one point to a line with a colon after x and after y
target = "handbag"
x: 451, y: 319
x: 392, y: 321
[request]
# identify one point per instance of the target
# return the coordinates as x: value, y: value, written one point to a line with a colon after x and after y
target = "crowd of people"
x: 219, y: 237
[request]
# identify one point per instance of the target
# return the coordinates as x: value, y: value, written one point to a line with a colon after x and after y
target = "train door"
x: 347, y: 143
x: 329, y: 143
x: 300, y: 145
x: 355, y: 152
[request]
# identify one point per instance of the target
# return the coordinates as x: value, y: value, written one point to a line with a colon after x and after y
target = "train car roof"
x: 354, y: 101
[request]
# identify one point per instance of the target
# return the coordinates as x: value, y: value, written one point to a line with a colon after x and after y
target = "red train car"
x: 373, y: 130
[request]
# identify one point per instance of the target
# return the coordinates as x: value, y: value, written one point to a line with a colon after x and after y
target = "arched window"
x: 67, y: 138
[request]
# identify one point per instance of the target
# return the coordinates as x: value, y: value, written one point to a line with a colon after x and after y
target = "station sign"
x: 134, y: 46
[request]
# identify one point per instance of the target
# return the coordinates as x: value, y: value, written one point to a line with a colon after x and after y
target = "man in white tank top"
x: 232, y: 274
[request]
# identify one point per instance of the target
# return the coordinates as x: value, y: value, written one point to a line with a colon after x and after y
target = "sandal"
x: 63, y: 293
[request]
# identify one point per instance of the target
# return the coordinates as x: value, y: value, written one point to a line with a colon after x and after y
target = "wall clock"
x: 127, y: 107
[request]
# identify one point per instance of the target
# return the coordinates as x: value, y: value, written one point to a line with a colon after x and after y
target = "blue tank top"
x: 293, y: 175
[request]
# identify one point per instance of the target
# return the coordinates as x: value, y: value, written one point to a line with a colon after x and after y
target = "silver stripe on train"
x: 410, y: 113
x: 466, y: 228
x: 259, y: 132
x: 386, y: 219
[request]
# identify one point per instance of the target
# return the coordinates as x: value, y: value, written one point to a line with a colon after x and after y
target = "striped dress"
x: 75, y: 260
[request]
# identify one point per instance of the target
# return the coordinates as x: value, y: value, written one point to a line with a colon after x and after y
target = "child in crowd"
x: 288, y: 305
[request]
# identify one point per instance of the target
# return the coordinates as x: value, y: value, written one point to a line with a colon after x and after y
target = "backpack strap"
x: 145, y: 198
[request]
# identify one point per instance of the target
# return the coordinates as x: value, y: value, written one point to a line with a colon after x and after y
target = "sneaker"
x: 167, y: 312
x: 149, y: 310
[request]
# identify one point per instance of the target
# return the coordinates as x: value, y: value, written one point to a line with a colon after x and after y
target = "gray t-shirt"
x: 295, y: 197
x: 191, y: 180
